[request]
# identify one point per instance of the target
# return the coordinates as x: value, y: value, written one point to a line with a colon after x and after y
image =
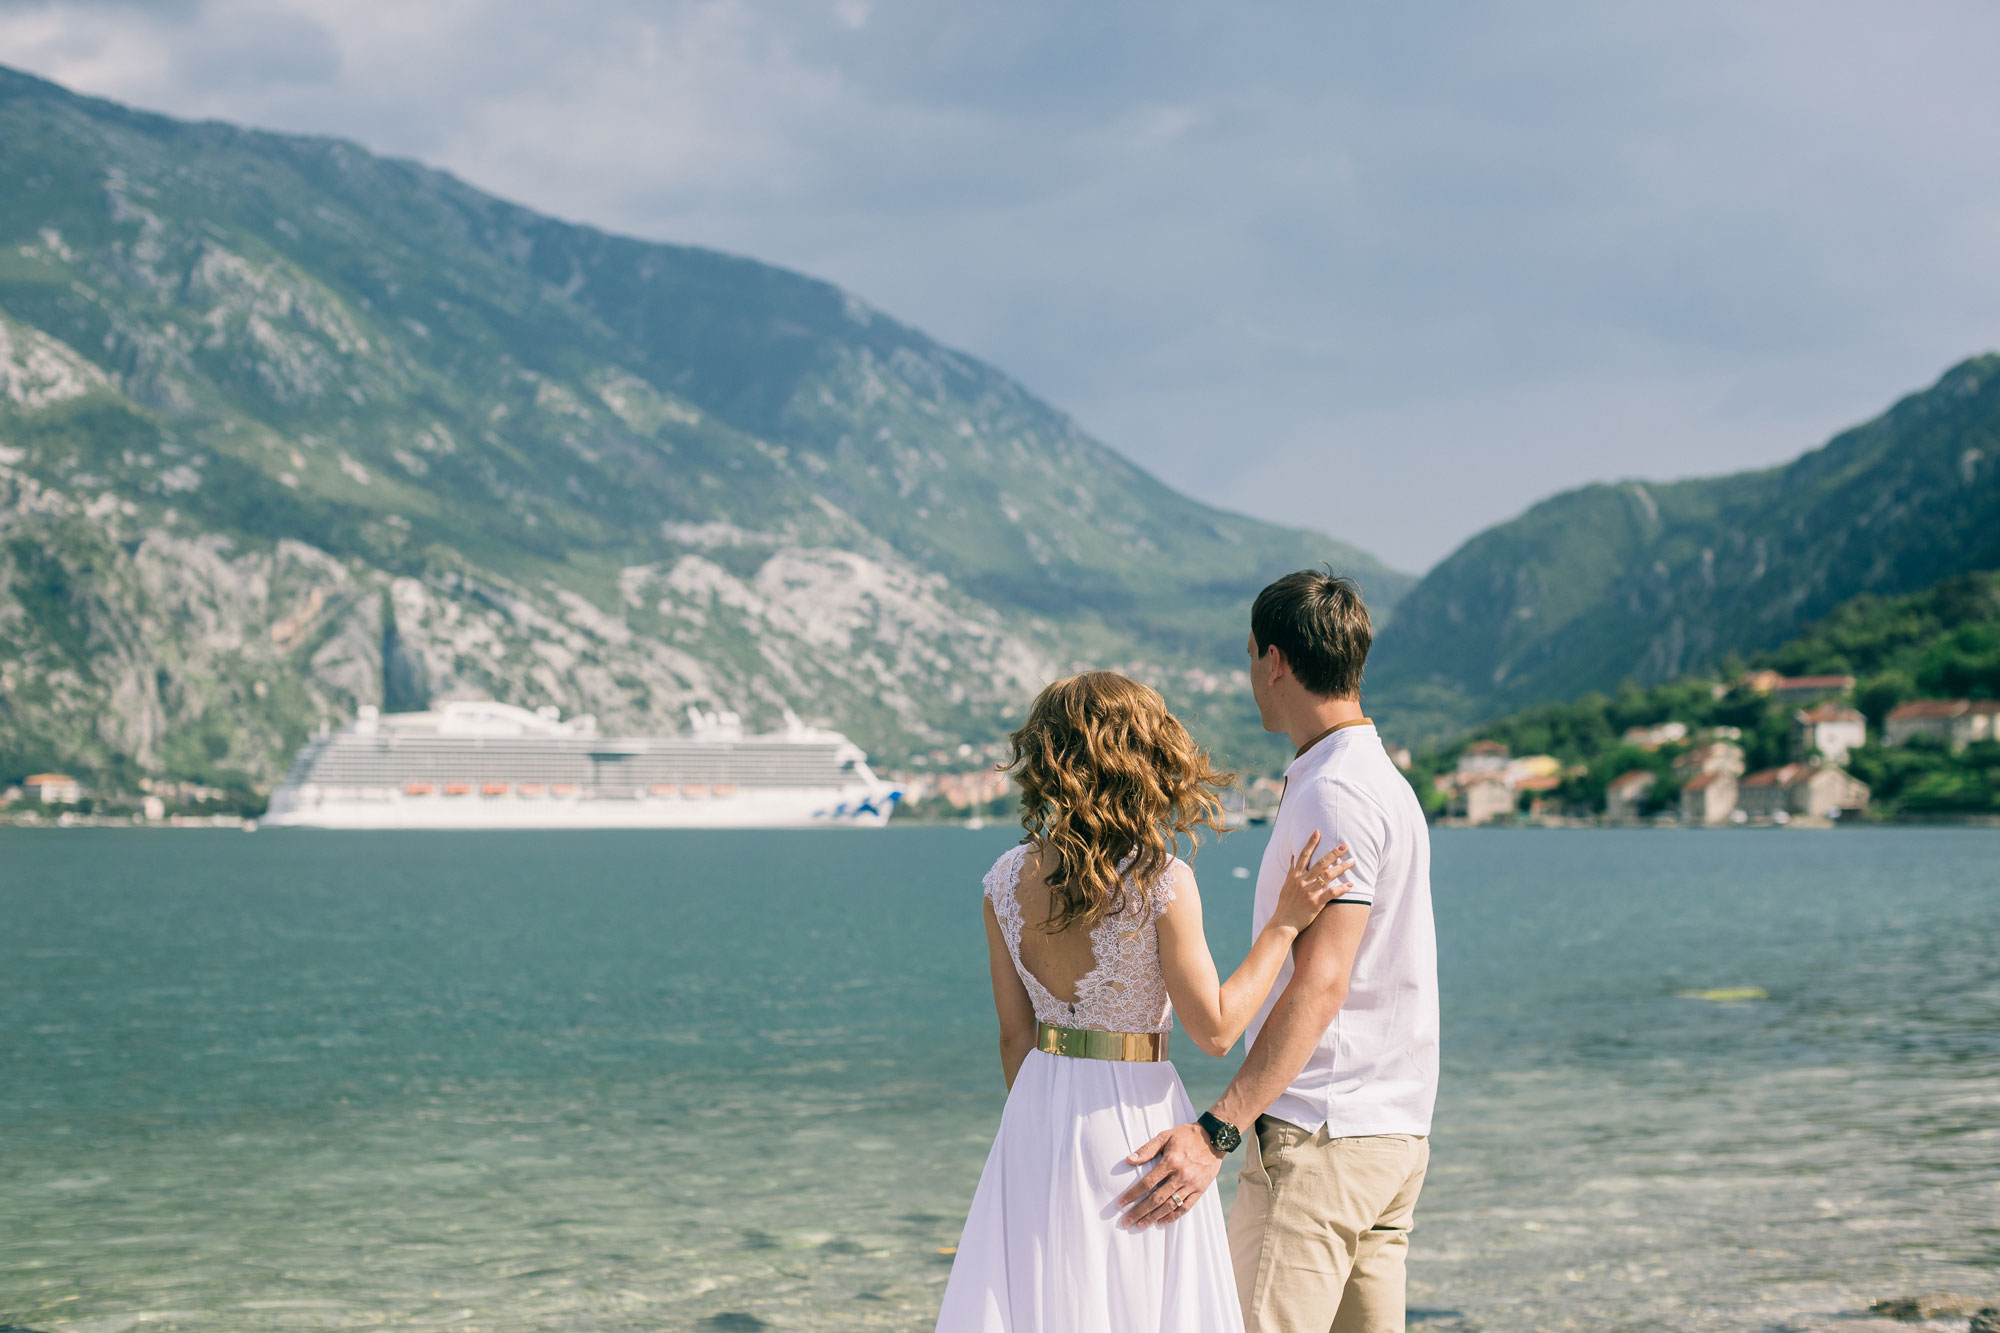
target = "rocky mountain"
x: 287, y: 427
x: 1646, y: 582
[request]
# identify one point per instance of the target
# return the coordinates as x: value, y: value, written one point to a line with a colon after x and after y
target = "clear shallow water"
x: 744, y: 1080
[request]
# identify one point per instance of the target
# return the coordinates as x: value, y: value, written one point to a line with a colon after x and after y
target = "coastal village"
x: 1705, y: 782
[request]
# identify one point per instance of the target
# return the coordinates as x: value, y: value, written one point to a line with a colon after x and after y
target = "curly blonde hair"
x: 1106, y: 772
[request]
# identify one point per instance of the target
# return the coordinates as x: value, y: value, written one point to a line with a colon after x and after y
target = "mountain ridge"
x: 289, y: 427
x: 1648, y: 581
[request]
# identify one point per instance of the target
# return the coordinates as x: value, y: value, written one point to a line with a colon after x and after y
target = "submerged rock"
x: 1932, y: 1305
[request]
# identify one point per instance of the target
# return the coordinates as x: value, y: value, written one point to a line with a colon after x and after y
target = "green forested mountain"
x: 1941, y: 643
x: 1645, y: 582
x: 286, y: 427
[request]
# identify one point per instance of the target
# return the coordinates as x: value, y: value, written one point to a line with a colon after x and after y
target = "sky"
x: 1389, y: 271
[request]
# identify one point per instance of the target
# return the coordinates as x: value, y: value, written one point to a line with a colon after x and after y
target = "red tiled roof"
x: 1831, y: 713
x: 1700, y: 754
x: 1775, y: 777
x: 1486, y: 747
x: 1921, y: 709
x: 1704, y: 781
x: 1631, y: 779
x: 1815, y: 682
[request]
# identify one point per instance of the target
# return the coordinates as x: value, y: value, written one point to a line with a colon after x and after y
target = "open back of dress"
x: 1124, y: 989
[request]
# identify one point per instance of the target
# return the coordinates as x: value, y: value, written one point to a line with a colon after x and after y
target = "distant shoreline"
x: 1760, y: 826
x: 250, y: 824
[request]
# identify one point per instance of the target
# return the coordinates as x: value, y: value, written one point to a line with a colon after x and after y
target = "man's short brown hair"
x: 1317, y: 618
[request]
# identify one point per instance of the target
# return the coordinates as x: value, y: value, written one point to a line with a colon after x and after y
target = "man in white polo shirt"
x: 1333, y: 1102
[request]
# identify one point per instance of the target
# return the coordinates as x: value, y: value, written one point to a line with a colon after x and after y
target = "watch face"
x: 1221, y: 1133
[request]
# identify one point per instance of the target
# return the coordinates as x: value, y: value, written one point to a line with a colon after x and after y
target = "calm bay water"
x: 734, y: 1081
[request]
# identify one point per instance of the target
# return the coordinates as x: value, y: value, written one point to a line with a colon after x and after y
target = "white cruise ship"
x: 484, y: 765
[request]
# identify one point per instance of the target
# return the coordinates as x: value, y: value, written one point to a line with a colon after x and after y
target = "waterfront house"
x: 1483, y: 799
x: 1830, y: 730
x: 1540, y: 793
x: 1626, y: 793
x: 1531, y: 767
x: 52, y: 788
x: 1709, y: 798
x: 1714, y: 757
x: 960, y: 791
x: 1795, y: 689
x: 1481, y: 757
x: 1801, y: 789
x: 1955, y: 722
x: 1766, y: 792
x: 1653, y: 737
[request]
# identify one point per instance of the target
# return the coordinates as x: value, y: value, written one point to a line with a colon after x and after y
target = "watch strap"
x: 1225, y: 1137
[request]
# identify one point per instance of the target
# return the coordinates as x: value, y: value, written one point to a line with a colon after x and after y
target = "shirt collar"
x: 1316, y: 741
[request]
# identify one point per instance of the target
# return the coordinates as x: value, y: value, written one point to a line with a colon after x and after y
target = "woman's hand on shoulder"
x: 1310, y: 885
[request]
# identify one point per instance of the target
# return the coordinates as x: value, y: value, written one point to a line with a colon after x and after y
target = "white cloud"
x: 1591, y: 241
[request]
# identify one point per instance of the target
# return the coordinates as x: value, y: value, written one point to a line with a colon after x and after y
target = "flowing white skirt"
x: 1042, y: 1250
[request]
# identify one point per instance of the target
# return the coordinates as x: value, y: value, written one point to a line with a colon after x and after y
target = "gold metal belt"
x: 1090, y: 1044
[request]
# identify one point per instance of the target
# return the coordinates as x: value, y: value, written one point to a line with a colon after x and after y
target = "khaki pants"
x: 1321, y: 1227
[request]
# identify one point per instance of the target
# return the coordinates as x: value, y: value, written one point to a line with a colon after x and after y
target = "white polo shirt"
x: 1375, y: 1071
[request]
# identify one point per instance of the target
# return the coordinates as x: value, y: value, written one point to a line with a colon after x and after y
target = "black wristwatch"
x: 1224, y: 1136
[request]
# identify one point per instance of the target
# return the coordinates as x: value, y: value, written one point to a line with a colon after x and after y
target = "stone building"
x: 52, y: 788
x: 1626, y: 794
x: 1653, y: 737
x: 1483, y: 799
x: 1796, y: 689
x: 1709, y: 798
x: 1829, y: 730
x: 1956, y: 722
x: 1481, y: 757
x: 1801, y: 789
x: 1714, y: 757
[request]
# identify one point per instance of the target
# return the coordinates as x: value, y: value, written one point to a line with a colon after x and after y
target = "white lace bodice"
x: 1124, y: 991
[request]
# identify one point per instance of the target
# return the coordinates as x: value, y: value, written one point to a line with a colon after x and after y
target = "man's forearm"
x: 1287, y: 1041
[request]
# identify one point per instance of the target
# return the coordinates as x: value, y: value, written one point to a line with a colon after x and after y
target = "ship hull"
x: 859, y: 807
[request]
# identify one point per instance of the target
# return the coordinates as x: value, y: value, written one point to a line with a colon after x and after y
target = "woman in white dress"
x: 1094, y: 929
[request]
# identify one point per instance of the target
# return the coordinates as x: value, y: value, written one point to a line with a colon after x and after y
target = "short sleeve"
x: 999, y: 891
x: 1161, y: 895
x: 1003, y: 871
x: 1341, y: 814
